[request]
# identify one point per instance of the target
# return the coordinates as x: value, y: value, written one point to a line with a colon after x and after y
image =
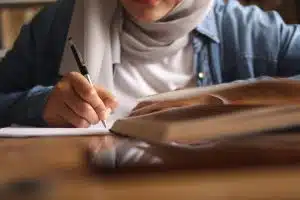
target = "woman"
x: 136, y: 48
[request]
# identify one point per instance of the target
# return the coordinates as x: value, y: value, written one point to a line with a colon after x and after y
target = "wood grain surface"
x: 55, y: 168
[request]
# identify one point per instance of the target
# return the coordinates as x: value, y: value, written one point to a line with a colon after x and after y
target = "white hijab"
x: 152, y: 41
x: 99, y: 31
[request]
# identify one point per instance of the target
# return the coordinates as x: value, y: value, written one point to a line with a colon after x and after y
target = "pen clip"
x: 78, y: 58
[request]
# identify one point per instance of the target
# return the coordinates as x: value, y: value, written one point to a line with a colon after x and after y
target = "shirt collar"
x: 208, y: 27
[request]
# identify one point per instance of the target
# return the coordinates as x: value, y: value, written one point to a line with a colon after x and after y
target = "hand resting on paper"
x: 74, y: 102
x: 271, y: 92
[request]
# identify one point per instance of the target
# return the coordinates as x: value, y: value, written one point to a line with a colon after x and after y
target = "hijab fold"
x: 156, y: 40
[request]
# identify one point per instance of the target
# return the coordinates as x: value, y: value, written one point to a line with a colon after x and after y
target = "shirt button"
x: 201, y: 75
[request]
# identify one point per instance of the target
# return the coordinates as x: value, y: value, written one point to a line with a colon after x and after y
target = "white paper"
x: 21, y: 131
x: 34, y: 132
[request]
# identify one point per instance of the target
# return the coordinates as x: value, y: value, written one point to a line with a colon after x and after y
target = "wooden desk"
x: 58, y: 165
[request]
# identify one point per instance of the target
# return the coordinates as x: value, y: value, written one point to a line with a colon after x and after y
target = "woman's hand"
x: 75, y: 102
x: 148, y: 107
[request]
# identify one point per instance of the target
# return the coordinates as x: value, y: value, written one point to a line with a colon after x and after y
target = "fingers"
x: 72, y: 118
x: 205, y: 99
x: 147, y: 107
x: 88, y: 93
x: 66, y: 118
x: 77, y: 102
x: 81, y: 108
x: 155, y: 107
x: 143, y: 104
x: 57, y: 122
x: 107, y: 98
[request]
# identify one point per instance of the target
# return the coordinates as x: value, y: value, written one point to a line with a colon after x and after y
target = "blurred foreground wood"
x: 55, y: 169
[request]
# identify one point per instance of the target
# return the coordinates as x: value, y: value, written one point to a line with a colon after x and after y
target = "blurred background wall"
x: 11, y: 21
x: 289, y: 9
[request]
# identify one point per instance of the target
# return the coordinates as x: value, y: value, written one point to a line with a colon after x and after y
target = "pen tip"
x: 104, y: 124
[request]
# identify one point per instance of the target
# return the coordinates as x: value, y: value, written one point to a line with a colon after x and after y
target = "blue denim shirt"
x: 233, y: 43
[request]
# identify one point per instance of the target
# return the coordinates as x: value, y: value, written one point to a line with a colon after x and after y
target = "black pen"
x: 81, y: 65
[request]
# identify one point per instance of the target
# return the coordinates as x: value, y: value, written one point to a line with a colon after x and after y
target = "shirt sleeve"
x: 24, y: 108
x: 289, y: 54
x: 257, y: 43
x: 22, y: 97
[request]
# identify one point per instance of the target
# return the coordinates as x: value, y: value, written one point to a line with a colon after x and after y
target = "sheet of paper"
x: 39, y: 132
x: 19, y: 131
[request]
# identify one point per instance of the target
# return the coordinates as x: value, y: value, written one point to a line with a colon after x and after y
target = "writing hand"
x: 75, y: 102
